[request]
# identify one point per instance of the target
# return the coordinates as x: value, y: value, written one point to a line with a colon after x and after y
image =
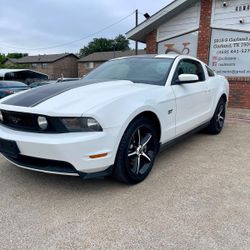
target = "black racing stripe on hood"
x: 38, y: 95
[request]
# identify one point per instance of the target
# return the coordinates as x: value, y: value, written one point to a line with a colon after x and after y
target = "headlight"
x: 42, y: 122
x: 81, y: 124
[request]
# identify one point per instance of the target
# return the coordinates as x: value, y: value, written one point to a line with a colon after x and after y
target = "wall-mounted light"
x: 146, y: 15
x: 224, y: 4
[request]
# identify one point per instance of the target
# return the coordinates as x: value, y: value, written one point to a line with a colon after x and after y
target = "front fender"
x: 118, y: 114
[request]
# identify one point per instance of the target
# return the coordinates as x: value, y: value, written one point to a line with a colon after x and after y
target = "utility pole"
x: 136, y: 24
x: 114, y: 47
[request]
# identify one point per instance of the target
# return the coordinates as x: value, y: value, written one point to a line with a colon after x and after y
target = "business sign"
x: 185, y: 44
x: 230, y: 53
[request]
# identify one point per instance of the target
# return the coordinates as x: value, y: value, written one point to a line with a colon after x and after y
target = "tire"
x: 136, y: 152
x: 217, y: 122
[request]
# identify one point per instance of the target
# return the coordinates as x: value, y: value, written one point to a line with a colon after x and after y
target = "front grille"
x: 19, y: 120
x: 28, y: 122
x: 43, y: 164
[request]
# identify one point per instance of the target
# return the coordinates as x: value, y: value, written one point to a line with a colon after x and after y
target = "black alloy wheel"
x: 137, y: 151
x: 140, y: 151
x: 217, y: 122
x: 221, y: 116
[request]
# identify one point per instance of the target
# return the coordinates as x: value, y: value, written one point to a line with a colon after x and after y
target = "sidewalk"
x: 238, y: 114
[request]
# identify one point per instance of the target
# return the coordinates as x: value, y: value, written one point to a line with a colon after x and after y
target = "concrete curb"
x: 238, y: 114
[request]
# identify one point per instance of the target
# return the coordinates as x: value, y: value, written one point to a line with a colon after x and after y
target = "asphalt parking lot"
x: 197, y: 197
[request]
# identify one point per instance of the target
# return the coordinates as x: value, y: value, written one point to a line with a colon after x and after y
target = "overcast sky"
x: 28, y: 26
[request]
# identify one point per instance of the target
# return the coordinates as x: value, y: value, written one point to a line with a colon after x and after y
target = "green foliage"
x: 121, y: 43
x: 3, y: 57
x: 16, y: 55
x: 15, y: 66
x: 104, y: 44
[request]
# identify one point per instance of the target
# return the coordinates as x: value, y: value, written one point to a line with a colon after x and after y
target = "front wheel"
x: 217, y: 122
x: 136, y: 152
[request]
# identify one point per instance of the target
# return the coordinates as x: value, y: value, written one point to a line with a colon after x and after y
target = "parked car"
x: 38, y: 84
x: 115, y: 120
x: 11, y: 87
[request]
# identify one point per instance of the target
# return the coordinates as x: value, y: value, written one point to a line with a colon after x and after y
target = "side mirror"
x: 187, y: 78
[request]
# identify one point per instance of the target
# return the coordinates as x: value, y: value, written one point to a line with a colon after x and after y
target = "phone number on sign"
x: 234, y: 51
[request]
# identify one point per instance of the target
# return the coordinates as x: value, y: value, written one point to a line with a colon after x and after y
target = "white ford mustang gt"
x: 115, y: 120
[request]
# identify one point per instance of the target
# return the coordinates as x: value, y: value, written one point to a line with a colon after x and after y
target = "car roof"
x: 8, y: 81
x: 169, y: 55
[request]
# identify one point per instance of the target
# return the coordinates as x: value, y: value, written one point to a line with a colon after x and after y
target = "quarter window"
x: 210, y: 72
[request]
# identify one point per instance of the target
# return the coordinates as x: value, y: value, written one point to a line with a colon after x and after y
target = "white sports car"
x: 115, y: 120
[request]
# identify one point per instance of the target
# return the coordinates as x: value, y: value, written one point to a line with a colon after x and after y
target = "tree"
x: 16, y: 55
x: 15, y: 66
x: 104, y: 44
x: 2, y: 58
x: 121, y: 42
x: 97, y: 45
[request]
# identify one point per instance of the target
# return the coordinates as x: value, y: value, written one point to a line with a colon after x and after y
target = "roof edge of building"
x: 19, y: 60
x: 139, y: 32
x: 89, y: 58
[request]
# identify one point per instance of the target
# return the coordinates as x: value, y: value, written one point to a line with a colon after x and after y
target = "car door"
x: 192, y: 98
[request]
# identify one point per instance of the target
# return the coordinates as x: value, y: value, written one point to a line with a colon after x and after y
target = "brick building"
x: 54, y: 65
x: 215, y: 31
x: 92, y: 61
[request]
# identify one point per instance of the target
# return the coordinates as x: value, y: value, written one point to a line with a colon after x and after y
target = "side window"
x: 188, y: 66
x: 210, y: 72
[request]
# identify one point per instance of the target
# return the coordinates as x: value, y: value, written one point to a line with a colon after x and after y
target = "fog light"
x: 1, y: 116
x: 42, y: 122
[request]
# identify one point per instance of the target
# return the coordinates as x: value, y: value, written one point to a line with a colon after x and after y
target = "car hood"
x: 71, y: 98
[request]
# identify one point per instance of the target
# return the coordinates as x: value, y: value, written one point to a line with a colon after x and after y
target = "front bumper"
x: 63, y: 149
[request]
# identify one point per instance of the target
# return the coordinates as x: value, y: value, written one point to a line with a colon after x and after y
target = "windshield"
x: 138, y: 70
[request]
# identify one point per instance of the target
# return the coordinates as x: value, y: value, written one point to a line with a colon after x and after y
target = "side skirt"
x: 180, y: 138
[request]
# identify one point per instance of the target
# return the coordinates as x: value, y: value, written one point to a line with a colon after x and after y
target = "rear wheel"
x: 136, y: 152
x: 217, y: 122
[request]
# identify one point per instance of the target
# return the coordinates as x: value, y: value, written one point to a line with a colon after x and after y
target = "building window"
x: 44, y: 65
x: 34, y: 65
x: 89, y: 65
